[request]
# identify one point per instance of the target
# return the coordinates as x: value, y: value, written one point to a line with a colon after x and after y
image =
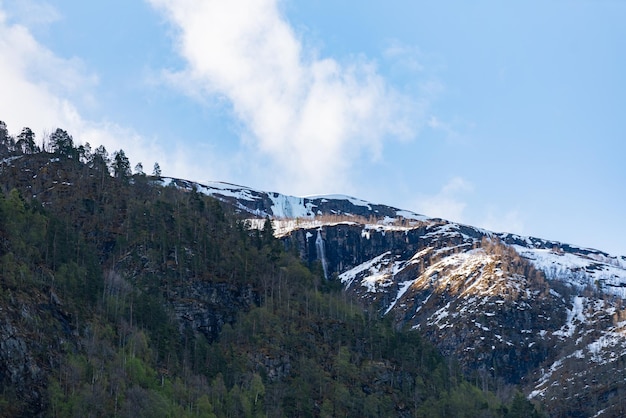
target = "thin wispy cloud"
x: 32, y: 13
x: 407, y: 57
x: 510, y: 221
x: 449, y: 203
x: 310, y: 117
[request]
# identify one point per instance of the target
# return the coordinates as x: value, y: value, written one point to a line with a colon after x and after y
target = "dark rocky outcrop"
x: 205, y: 307
x: 26, y: 354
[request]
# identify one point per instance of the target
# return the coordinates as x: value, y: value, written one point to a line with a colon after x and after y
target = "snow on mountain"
x: 579, y: 267
x: 374, y: 274
x: 580, y: 270
x: 280, y: 206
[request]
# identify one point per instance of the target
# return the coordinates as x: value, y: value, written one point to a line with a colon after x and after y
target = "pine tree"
x: 62, y: 143
x: 121, y: 165
x: 84, y: 152
x: 6, y: 141
x: 100, y: 159
x: 156, y: 172
x: 139, y: 169
x: 4, y: 133
x: 26, y: 142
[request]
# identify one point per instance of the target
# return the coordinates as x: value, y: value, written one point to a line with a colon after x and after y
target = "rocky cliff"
x: 511, y: 310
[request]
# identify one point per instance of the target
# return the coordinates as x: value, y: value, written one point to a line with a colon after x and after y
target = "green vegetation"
x: 136, y: 300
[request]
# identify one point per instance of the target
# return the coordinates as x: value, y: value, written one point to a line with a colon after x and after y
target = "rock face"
x: 349, y: 245
x: 511, y: 310
x: 206, y: 307
x: 445, y: 284
x: 25, y: 354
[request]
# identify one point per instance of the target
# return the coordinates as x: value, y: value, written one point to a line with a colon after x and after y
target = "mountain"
x: 133, y: 295
x: 512, y: 310
x: 138, y: 296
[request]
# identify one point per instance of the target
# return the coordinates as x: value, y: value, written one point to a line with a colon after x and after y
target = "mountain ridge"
x: 302, y: 207
x: 282, y: 207
x: 511, y: 309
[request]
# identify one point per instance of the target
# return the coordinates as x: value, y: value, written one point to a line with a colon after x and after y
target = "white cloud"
x: 312, y: 117
x: 32, y: 78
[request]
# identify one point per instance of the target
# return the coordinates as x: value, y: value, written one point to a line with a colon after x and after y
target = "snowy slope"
x: 280, y: 206
x: 581, y: 270
x: 579, y: 267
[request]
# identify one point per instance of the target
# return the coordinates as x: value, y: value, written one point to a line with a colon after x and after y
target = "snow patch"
x: 371, y: 267
x: 290, y: 207
x: 574, y: 314
x: 404, y: 286
x: 579, y: 270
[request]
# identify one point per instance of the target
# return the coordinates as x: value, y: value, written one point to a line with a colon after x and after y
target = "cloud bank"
x: 310, y: 117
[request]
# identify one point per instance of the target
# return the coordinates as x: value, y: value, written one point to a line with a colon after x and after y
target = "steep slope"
x: 579, y: 267
x: 544, y: 315
x: 511, y: 309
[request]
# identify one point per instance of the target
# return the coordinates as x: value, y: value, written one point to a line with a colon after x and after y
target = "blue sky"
x: 509, y: 117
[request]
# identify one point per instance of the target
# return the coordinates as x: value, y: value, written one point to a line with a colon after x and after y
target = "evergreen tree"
x: 100, y: 159
x: 61, y: 142
x: 26, y: 142
x: 6, y: 141
x: 84, y: 152
x: 156, y: 172
x: 139, y: 169
x: 4, y: 133
x: 121, y: 165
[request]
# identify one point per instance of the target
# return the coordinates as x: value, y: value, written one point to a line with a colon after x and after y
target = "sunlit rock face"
x: 481, y: 303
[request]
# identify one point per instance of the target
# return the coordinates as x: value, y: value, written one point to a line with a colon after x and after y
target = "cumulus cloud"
x: 32, y: 78
x: 311, y: 117
x: 44, y: 92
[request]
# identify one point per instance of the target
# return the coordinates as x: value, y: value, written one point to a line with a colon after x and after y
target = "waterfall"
x: 321, y: 253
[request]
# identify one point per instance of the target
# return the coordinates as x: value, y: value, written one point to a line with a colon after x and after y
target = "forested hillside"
x: 120, y: 297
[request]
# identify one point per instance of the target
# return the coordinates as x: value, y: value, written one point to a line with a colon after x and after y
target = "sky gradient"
x: 509, y: 117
